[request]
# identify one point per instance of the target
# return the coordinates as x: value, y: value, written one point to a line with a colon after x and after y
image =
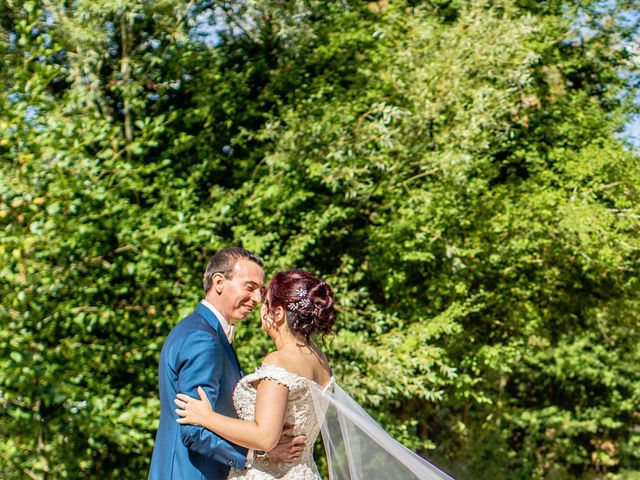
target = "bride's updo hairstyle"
x: 307, y: 301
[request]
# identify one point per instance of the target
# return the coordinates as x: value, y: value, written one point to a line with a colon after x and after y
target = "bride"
x: 295, y: 386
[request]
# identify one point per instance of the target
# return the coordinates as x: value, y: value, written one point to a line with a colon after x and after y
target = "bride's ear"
x: 279, y: 315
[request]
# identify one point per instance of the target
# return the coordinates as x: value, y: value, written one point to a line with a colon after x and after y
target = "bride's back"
x: 306, y: 361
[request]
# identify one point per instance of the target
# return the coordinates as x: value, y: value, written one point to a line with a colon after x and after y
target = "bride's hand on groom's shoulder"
x: 193, y: 411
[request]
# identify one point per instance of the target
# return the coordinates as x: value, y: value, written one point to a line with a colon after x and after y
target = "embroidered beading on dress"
x: 300, y: 412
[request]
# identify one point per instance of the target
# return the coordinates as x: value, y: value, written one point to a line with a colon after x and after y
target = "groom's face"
x: 242, y: 291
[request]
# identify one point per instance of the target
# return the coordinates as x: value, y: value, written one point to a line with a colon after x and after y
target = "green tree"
x: 467, y: 195
x: 90, y: 93
x: 452, y: 168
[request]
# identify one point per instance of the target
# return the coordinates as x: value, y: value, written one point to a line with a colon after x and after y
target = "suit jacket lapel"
x: 210, y: 317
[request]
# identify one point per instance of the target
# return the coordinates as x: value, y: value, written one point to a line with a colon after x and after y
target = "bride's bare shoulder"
x: 310, y: 366
x: 284, y: 360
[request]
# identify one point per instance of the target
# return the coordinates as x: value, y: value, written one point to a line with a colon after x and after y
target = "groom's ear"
x: 217, y: 282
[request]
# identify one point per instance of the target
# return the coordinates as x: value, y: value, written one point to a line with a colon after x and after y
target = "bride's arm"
x: 262, y: 433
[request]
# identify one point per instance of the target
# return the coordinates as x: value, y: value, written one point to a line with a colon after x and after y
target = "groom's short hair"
x: 223, y: 262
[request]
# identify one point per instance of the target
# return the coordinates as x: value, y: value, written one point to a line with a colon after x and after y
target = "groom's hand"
x: 289, y: 447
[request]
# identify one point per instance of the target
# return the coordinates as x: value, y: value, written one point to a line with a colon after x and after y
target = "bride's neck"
x: 285, y: 338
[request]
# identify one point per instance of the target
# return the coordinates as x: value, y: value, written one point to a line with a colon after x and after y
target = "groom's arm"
x: 200, y: 364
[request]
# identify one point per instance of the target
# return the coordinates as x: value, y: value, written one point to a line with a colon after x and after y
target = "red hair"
x: 307, y: 300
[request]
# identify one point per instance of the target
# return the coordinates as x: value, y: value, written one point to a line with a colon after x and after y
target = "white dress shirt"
x: 228, y: 330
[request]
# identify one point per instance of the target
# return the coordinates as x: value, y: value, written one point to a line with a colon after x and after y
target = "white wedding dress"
x: 300, y: 412
x: 357, y: 447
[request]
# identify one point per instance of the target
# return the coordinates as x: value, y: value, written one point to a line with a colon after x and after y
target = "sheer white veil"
x: 358, y: 448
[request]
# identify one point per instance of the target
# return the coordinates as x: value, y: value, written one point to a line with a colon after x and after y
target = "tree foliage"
x: 453, y: 168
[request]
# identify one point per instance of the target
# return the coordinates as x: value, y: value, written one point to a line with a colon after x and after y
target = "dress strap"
x: 278, y: 374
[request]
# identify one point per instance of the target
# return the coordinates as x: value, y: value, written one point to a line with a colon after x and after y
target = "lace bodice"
x: 300, y: 412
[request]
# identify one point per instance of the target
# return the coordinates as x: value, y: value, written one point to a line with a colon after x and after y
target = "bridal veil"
x: 358, y: 448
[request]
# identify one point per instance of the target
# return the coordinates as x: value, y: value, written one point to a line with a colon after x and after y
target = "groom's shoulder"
x: 194, y: 322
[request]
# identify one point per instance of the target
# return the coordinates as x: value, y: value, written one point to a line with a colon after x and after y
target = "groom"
x: 198, y: 352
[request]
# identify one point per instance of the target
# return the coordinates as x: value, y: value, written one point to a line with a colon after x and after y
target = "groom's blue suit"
x: 196, y: 353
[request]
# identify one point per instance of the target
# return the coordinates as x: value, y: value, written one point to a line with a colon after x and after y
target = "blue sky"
x: 632, y: 131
